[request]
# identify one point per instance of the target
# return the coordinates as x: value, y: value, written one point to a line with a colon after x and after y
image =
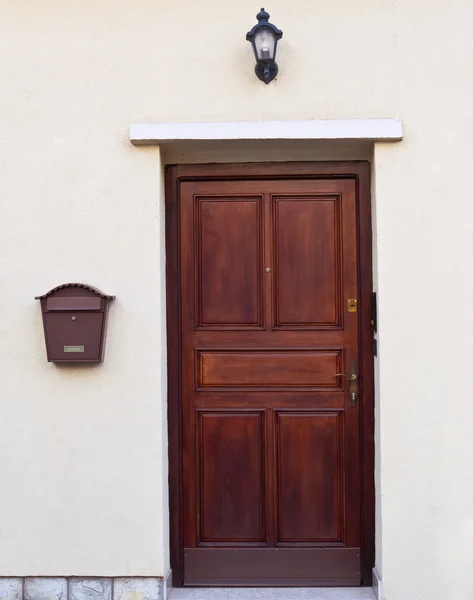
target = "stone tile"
x: 90, y: 589
x: 45, y: 588
x: 11, y: 588
x: 138, y: 588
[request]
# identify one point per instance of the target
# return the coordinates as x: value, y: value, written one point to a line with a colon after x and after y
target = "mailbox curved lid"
x: 79, y: 285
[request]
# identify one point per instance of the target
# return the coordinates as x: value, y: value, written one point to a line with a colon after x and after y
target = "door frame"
x: 360, y: 172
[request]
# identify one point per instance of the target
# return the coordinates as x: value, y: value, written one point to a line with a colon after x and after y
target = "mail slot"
x: 75, y: 322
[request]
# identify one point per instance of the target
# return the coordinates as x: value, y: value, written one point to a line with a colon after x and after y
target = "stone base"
x: 167, y: 585
x: 81, y: 588
x: 377, y: 585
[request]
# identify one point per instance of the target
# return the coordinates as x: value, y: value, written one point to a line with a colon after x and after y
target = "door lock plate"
x: 352, y: 305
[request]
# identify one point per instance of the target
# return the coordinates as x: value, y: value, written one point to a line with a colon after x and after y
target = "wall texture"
x: 83, y: 450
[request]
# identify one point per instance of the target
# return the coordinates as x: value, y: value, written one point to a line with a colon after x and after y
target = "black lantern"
x: 264, y: 38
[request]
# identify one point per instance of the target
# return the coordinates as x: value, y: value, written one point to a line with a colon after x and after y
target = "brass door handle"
x: 352, y: 378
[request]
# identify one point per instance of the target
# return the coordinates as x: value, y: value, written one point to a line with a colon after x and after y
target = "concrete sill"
x: 378, y: 130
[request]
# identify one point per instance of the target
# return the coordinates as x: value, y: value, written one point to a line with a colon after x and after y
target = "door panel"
x: 228, y: 260
x: 263, y: 368
x: 232, y: 477
x: 270, y: 439
x: 309, y: 478
x: 307, y: 292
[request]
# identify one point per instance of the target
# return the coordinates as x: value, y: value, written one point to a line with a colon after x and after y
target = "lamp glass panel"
x: 265, y: 44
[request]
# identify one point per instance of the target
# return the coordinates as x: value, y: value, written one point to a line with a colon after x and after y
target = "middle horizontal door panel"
x: 239, y: 369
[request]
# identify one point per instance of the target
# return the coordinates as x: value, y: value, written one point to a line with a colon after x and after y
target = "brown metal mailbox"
x: 75, y: 322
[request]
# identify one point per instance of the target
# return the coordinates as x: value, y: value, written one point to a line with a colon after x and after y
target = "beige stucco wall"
x: 83, y: 450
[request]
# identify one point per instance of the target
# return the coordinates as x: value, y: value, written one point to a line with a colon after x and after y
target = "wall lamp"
x: 264, y: 38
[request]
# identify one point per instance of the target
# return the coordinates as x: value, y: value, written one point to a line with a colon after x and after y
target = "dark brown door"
x: 271, y: 447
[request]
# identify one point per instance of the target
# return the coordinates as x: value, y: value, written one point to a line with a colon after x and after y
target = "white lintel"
x: 381, y: 130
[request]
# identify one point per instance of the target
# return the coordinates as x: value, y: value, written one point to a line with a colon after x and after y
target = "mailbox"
x: 75, y: 321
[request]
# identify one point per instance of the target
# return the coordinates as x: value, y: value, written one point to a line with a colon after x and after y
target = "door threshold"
x: 292, y: 593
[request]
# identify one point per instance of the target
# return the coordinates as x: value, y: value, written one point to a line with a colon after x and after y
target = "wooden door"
x: 270, y: 435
